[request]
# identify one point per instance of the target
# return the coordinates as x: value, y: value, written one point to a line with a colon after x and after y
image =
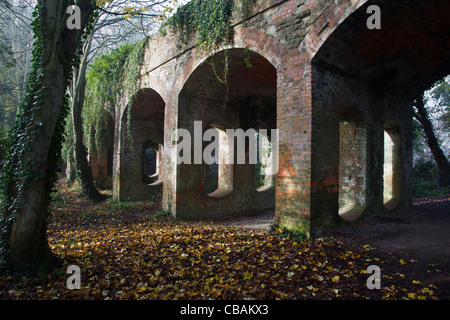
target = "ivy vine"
x: 101, y: 96
x: 133, y: 69
x: 21, y: 139
x: 23, y: 133
x: 111, y: 75
x: 210, y: 21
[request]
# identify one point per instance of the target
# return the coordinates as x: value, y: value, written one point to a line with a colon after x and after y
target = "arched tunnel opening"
x: 235, y: 89
x: 379, y: 72
x: 141, y: 150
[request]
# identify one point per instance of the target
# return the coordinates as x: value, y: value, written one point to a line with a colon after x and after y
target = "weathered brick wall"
x: 146, y: 125
x: 99, y: 165
x: 327, y: 63
x: 348, y: 149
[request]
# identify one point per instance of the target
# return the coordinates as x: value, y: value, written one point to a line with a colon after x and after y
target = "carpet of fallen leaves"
x: 129, y: 251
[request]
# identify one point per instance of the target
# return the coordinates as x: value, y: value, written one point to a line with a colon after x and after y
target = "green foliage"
x: 426, y: 171
x: 209, y: 19
x: 20, y: 168
x: 112, y: 205
x: 423, y: 188
x: 3, y: 144
x: 165, y: 216
x: 109, y: 77
x: 440, y: 94
x: 8, y: 96
x: 282, y: 232
x: 258, y: 177
x: 102, y: 81
x: 426, y: 178
x: 19, y: 172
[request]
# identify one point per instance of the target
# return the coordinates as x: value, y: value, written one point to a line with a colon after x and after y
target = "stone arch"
x: 205, y: 101
x: 326, y: 24
x: 392, y: 58
x: 244, y: 38
x: 141, y: 129
x: 258, y: 42
x: 380, y: 72
x: 148, y: 83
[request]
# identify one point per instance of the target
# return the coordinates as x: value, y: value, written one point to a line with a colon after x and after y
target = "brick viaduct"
x: 339, y: 93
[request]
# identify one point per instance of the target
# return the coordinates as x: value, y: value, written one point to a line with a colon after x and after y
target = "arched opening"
x: 392, y: 178
x: 231, y: 100
x: 381, y: 71
x: 142, y: 138
x: 219, y: 173
x: 151, y: 158
x: 352, y: 165
x: 265, y: 171
x: 405, y: 57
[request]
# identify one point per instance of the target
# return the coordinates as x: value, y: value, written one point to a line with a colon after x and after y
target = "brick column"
x: 293, y: 188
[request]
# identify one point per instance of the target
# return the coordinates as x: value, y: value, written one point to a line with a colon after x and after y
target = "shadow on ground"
x: 419, y: 236
x: 414, y: 242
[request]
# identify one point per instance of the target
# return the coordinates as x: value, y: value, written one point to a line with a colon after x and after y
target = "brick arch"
x: 326, y: 24
x: 202, y: 98
x: 147, y: 116
x: 143, y: 97
x: 380, y: 72
x: 412, y: 43
x: 259, y: 42
x: 147, y: 82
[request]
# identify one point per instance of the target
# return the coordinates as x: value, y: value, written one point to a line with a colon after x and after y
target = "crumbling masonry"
x: 339, y: 93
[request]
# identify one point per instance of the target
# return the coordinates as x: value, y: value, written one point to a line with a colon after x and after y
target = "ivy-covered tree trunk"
x: 438, y: 155
x: 35, y: 144
x: 82, y: 167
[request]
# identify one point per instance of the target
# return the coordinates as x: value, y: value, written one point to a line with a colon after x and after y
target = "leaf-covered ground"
x: 130, y: 251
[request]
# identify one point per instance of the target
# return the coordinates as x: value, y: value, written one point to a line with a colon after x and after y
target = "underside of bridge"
x: 139, y: 175
x: 363, y: 85
x: 342, y: 107
x: 246, y: 100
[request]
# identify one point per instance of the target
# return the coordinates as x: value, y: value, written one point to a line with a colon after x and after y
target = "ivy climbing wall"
x: 311, y: 69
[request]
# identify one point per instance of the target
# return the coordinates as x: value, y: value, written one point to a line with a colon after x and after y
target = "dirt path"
x: 419, y: 236
x: 253, y: 220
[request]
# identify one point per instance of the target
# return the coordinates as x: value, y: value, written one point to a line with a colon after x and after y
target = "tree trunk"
x: 28, y: 240
x: 70, y: 171
x: 83, y: 169
x: 436, y: 151
x: 26, y: 198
